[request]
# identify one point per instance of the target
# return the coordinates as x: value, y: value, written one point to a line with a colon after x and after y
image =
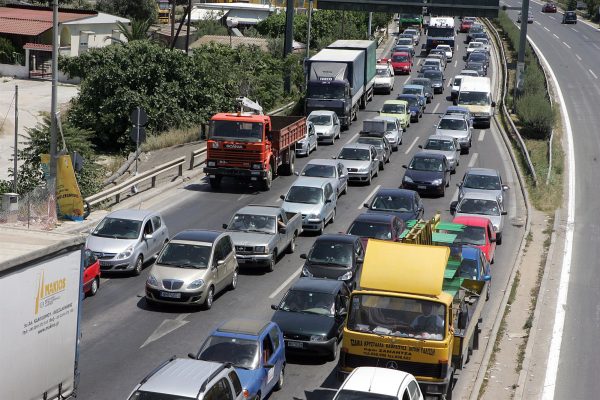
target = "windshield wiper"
x: 254, y: 231
x: 327, y: 263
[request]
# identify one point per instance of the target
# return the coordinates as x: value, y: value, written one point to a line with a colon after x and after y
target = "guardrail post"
x: 153, y: 182
x: 192, y: 160
x: 180, y: 169
x: 118, y: 198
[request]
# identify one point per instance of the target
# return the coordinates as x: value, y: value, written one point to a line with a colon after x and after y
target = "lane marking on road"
x: 537, y: 22
x: 411, y: 145
x: 547, y: 29
x: 593, y: 74
x: 585, y: 37
x: 563, y: 287
x: 450, y: 83
x: 577, y: 55
x: 419, y: 62
x: 473, y: 160
x: 455, y: 63
x: 596, y: 46
x: 567, y: 45
x: 286, y: 282
x: 166, y: 327
x: 481, y: 136
x: 360, y: 206
x: 555, y: 35
x: 353, y: 137
x: 436, y: 107
x: 551, y: 17
x: 407, y: 79
x: 575, y: 30
x: 243, y: 196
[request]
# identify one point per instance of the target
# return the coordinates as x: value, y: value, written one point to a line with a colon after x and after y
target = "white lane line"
x: 436, y: 107
x: 473, y: 160
x: 537, y: 22
x: 596, y: 46
x: 577, y: 55
x: 287, y: 282
x: 585, y: 37
x: 547, y: 29
x: 567, y: 45
x: 563, y: 287
x: 455, y: 63
x: 353, y: 137
x: 419, y: 62
x: 552, y: 17
x: 406, y: 80
x: 449, y: 83
x: 360, y: 206
x: 593, y: 74
x: 481, y: 136
x: 411, y: 145
x: 575, y: 30
x: 555, y: 35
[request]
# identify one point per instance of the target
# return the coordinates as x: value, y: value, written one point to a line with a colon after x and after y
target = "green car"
x: 398, y: 109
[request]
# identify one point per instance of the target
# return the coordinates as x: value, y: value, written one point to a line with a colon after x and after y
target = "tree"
x: 571, y: 5
x: 132, y: 9
x: 138, y: 30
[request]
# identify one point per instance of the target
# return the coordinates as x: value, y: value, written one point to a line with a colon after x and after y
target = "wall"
x: 19, y: 71
x: 101, y: 32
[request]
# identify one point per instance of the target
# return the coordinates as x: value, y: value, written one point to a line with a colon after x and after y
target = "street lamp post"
x: 53, y: 103
x: 310, y: 10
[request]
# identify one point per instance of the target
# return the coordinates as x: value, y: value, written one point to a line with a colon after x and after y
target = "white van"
x: 475, y: 94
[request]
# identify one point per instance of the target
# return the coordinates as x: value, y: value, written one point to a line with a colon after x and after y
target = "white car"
x: 309, y: 142
x: 384, y: 78
x: 379, y: 383
x: 447, y: 49
x: 472, y: 46
x: 327, y: 125
x: 456, y: 86
x: 415, y: 33
x: 458, y: 127
x: 486, y: 43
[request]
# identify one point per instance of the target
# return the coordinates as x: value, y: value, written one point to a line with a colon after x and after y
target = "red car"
x: 401, y: 62
x: 479, y: 232
x: 465, y: 25
x: 549, y: 8
x: 91, y: 274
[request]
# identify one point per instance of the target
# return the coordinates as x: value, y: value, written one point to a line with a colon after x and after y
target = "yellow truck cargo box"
x: 405, y: 268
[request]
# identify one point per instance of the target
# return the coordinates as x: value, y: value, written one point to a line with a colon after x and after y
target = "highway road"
x: 573, y: 51
x: 123, y: 340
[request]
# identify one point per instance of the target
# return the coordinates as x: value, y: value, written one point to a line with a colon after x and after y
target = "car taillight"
x: 246, y: 393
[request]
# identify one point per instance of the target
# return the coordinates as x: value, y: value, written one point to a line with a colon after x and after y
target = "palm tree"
x: 138, y: 30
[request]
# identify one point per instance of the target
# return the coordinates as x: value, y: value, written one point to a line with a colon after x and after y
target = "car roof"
x: 472, y: 221
x: 337, y: 237
x: 383, y: 381
x: 258, y: 209
x: 374, y: 217
x: 482, y: 171
x: 180, y: 377
x: 480, y: 195
x: 310, y: 181
x: 320, y: 285
x: 441, y: 137
x: 470, y: 252
x: 198, y: 235
x: 355, y: 145
x: 457, y: 108
x: 136, y: 215
x: 244, y: 326
x: 321, y: 112
x: 395, y: 192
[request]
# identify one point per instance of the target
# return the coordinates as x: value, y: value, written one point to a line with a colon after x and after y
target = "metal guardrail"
x: 515, y: 131
x: 195, y: 154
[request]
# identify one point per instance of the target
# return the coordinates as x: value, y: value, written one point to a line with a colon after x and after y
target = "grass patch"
x: 171, y: 138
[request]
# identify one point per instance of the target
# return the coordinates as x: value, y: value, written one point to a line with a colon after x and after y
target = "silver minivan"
x: 315, y: 199
x: 125, y: 239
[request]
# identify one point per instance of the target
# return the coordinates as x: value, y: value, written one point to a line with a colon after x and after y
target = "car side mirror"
x: 327, y: 201
x: 420, y: 146
x: 297, y: 173
x: 493, y: 104
x: 147, y: 236
x: 282, y: 197
x: 487, y: 278
x: 333, y: 157
x: 366, y: 205
x: 504, y: 212
x: 342, y: 312
x: 453, y: 207
x: 274, y: 307
x: 192, y: 356
x: 505, y: 187
x: 360, y: 260
x: 493, y: 240
x: 404, y: 166
x: 455, y: 102
x: 224, y: 226
x: 303, y: 256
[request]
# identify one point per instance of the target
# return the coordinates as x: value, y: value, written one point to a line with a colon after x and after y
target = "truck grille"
x: 352, y: 169
x: 172, y: 284
x: 246, y: 155
x: 244, y: 249
x: 293, y: 336
x: 414, y: 368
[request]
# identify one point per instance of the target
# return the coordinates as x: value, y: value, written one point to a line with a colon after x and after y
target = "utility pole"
x: 522, y: 44
x: 187, y: 37
x: 53, y: 105
x: 173, y: 5
x: 289, y: 41
x: 15, y: 171
x: 310, y: 9
x: 370, y: 22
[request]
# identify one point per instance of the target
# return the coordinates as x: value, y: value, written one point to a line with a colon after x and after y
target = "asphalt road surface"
x: 573, y: 51
x: 123, y: 340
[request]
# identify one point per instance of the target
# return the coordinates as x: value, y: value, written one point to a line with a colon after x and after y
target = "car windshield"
x: 346, y: 394
x: 426, y: 164
x: 319, y: 171
x: 397, y: 316
x: 412, y: 101
x: 143, y: 395
x: 468, y: 269
x: 483, y: 182
x: 473, y: 235
x: 474, y: 65
x: 453, y: 124
x: 474, y: 98
x: 253, y: 223
x: 305, y: 194
x: 392, y: 203
x: 118, y: 228
x: 185, y: 255
x: 309, y: 302
x: 236, y: 130
x: 479, y: 206
x: 405, y: 41
x: 383, y: 72
x: 433, y: 75
x: 333, y: 253
x: 399, y: 58
x: 482, y: 40
x: 349, y: 153
x: 390, y: 126
x: 409, y: 90
x: 371, y: 230
x: 320, y: 119
x: 410, y: 32
x: 439, y: 144
x: 242, y: 353
x: 390, y: 108
x: 376, y: 142
x: 477, y: 57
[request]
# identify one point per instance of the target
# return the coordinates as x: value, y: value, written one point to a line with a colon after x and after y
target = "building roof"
x: 235, y: 41
x: 32, y: 21
x: 101, y: 18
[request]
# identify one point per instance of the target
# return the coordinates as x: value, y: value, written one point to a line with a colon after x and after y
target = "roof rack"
x: 155, y: 370
x: 212, y: 376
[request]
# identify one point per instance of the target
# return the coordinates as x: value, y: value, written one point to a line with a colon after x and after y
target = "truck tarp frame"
x: 475, y: 8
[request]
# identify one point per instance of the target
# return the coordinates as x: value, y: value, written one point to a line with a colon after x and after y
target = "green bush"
x: 536, y: 115
x: 534, y: 81
x: 9, y: 54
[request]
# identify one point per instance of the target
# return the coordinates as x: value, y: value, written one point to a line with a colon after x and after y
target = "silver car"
x: 124, y: 240
x: 327, y: 125
x: 447, y: 146
x: 309, y: 142
x: 481, y: 205
x: 331, y: 169
x: 415, y: 34
x: 393, y: 131
x: 482, y: 180
x: 458, y: 127
x: 361, y: 162
x: 315, y: 199
x: 383, y: 147
x: 192, y: 268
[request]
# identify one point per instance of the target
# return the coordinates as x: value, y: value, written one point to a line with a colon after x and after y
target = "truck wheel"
x: 215, y: 182
x: 266, y: 184
x: 291, y: 168
x: 272, y: 262
x: 449, y: 390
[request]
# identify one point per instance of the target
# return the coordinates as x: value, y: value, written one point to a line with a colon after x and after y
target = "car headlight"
x: 306, y: 272
x: 363, y: 169
x: 346, y: 276
x: 260, y: 249
x: 152, y: 281
x: 436, y: 182
x: 210, y: 163
x: 318, y: 338
x: 313, y: 217
x: 125, y: 254
x: 198, y: 283
x: 408, y: 179
x: 257, y: 166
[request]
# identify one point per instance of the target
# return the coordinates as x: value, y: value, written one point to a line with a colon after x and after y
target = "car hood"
x: 399, y: 116
x: 436, y: 83
x: 303, y: 324
x: 450, y: 155
x: 250, y: 238
x: 452, y: 133
x: 424, y: 176
x: 250, y: 378
x: 302, y: 208
x: 414, y: 108
x: 383, y: 79
x: 108, y: 245
x: 324, y: 129
x: 403, y: 215
x: 355, y: 163
x: 186, y: 275
x: 495, y: 219
x: 327, y: 271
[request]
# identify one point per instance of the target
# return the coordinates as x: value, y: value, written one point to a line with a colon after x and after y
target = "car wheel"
x: 139, y: 265
x: 334, y: 352
x: 234, y: 280
x: 345, y: 191
x: 272, y: 261
x: 381, y: 166
x: 370, y: 179
x: 279, y: 384
x: 499, y: 238
x: 94, y: 287
x: 316, y: 145
x: 292, y: 246
x: 332, y: 219
x: 210, y: 296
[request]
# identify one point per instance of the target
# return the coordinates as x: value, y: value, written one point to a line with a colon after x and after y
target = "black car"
x: 436, y: 78
x: 403, y: 203
x: 475, y: 28
x: 569, y: 17
x: 311, y: 316
x: 477, y: 35
x: 427, y: 85
x: 476, y: 66
x: 381, y: 226
x: 334, y: 256
x: 479, y: 56
x: 427, y: 173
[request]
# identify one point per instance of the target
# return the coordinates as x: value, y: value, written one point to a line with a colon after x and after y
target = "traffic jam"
x: 393, y: 297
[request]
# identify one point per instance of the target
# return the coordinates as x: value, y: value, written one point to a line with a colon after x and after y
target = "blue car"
x: 462, y: 111
x: 416, y: 105
x: 255, y: 348
x: 474, y: 265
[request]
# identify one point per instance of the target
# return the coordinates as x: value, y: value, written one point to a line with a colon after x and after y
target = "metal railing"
x: 195, y: 154
x: 515, y: 132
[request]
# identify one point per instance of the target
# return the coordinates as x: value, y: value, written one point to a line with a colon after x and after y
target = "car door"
x: 284, y: 238
x: 329, y: 195
x: 276, y: 338
x: 160, y: 232
x: 374, y: 162
x: 230, y: 260
x: 418, y: 206
x: 147, y: 244
x: 268, y: 357
x: 90, y: 269
x: 218, y: 270
x: 336, y: 123
x: 398, y: 228
x: 312, y: 137
x: 342, y: 176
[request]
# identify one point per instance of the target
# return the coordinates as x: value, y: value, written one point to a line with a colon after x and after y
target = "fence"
x: 36, y: 209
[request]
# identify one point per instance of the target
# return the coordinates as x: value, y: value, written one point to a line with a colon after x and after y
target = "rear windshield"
x: 453, y: 124
x: 393, y: 108
x: 400, y: 58
x: 354, y: 154
x: 371, y: 230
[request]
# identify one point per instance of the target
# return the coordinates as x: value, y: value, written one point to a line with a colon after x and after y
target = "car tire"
x: 139, y: 265
x: 272, y: 262
x: 292, y: 245
x: 381, y: 166
x: 370, y: 179
x: 321, y: 229
x: 334, y: 352
x: 499, y: 238
x: 280, y: 381
x: 94, y: 287
x: 234, y: 280
x: 215, y: 183
x: 210, y: 297
x: 332, y: 219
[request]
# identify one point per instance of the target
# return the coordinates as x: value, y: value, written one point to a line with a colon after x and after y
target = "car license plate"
x: 104, y: 264
x: 242, y: 261
x: 297, y: 345
x: 421, y: 187
x: 170, y: 295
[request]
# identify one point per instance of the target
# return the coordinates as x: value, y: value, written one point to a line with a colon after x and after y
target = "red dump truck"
x: 251, y: 146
